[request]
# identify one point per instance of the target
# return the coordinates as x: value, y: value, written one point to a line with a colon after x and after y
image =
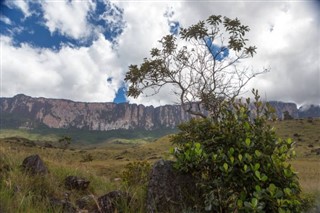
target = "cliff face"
x: 28, y: 112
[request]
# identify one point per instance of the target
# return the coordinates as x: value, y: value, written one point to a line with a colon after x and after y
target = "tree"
x: 202, y: 68
x: 239, y: 163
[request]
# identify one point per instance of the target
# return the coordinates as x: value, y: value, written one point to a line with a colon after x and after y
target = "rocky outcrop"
x: 170, y: 190
x: 26, y: 112
x: 34, y: 165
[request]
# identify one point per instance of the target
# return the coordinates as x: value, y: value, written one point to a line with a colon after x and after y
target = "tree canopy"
x: 202, y: 64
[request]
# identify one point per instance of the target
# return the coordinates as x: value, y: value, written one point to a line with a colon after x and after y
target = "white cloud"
x: 22, y: 5
x: 68, y: 17
x: 291, y: 49
x: 73, y: 73
x: 5, y: 20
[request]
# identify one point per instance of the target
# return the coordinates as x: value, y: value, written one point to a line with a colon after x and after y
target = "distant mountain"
x: 23, y: 111
x: 309, y: 111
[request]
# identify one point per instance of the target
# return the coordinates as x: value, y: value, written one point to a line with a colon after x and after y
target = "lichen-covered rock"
x: 77, y: 183
x: 34, y: 165
x: 170, y: 190
x: 111, y: 202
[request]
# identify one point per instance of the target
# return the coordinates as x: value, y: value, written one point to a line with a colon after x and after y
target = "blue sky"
x: 81, y: 50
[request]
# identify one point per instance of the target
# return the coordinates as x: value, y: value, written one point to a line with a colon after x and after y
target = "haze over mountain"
x: 22, y: 111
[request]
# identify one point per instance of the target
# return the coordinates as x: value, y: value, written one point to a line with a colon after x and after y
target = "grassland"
x: 103, y: 162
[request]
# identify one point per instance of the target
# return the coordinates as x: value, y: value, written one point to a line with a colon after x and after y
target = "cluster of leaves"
x: 136, y: 173
x: 238, y: 161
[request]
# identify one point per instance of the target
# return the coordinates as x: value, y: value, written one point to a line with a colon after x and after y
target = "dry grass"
x: 109, y: 159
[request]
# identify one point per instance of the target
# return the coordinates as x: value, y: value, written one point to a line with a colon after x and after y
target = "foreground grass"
x: 102, y: 164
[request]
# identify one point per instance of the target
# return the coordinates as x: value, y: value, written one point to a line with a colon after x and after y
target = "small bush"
x: 136, y: 173
x: 86, y: 158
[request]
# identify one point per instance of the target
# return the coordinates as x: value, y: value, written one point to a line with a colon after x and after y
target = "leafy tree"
x: 239, y: 163
x: 202, y: 65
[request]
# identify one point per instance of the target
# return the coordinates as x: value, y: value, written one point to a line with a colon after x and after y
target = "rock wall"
x: 28, y: 112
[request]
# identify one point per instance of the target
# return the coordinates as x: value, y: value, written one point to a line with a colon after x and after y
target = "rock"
x: 65, y: 205
x: 108, y: 202
x: 34, y: 165
x: 170, y: 190
x: 85, y: 202
x: 74, y: 182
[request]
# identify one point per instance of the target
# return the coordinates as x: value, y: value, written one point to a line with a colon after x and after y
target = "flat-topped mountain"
x: 28, y: 112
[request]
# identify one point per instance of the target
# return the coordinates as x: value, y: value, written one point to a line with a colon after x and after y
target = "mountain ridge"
x: 22, y: 111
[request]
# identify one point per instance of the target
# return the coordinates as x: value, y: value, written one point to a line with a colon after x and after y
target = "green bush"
x: 238, y: 161
x: 136, y: 173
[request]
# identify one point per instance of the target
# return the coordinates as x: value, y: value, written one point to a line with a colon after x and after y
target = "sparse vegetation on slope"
x: 110, y: 159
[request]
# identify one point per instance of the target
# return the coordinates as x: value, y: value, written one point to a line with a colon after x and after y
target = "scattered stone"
x: 317, y: 151
x: 108, y: 203
x: 66, y: 206
x: 119, y: 157
x: 34, y: 165
x: 310, y: 146
x: 84, y: 202
x: 74, y: 182
x: 170, y: 190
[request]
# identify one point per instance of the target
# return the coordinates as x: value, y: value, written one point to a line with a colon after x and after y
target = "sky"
x: 81, y: 49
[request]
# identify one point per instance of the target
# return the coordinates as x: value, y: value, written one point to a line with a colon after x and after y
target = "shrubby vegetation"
x: 239, y: 162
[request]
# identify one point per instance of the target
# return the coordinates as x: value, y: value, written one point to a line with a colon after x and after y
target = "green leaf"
x: 256, y: 166
x: 287, y: 191
x: 231, y: 151
x: 248, y: 141
x: 257, y: 153
x: 264, y: 178
x: 257, y: 173
x: 254, y: 202
x: 232, y: 159
x: 225, y: 166
x: 258, y: 188
x: 245, y: 168
x: 240, y: 157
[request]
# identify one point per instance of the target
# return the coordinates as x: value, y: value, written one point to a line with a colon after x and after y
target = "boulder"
x: 77, y: 183
x: 64, y: 205
x: 34, y: 165
x: 170, y: 190
x: 108, y: 203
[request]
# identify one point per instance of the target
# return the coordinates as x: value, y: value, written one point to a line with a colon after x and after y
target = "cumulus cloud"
x: 74, y: 73
x: 68, y: 17
x: 286, y: 34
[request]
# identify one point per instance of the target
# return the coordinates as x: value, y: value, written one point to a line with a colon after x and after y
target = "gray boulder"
x: 170, y: 190
x: 34, y: 165
x: 77, y: 183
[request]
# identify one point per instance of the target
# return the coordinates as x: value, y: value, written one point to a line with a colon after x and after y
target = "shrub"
x: 136, y: 173
x: 239, y: 163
